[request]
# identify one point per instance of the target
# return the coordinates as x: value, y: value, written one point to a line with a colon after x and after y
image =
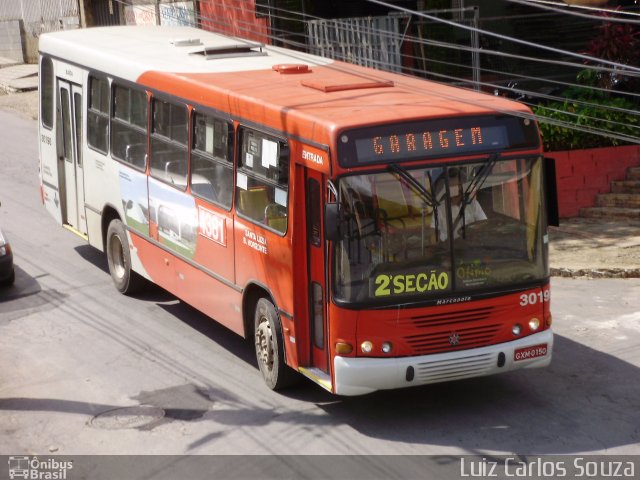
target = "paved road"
x: 84, y: 370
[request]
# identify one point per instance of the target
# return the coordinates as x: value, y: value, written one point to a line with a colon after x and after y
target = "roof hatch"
x: 232, y: 51
x: 340, y: 81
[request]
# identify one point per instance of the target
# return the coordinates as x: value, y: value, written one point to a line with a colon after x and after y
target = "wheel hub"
x: 117, y: 256
x: 264, y: 343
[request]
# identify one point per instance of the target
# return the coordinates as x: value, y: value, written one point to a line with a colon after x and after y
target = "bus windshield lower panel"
x: 411, y: 235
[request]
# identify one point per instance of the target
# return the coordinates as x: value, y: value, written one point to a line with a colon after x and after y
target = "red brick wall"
x: 234, y: 17
x: 583, y: 174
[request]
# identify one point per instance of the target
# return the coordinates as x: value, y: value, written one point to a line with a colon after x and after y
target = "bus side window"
x: 169, y: 133
x: 262, y: 185
x: 98, y: 114
x: 46, y: 92
x: 129, y: 126
x: 212, y: 159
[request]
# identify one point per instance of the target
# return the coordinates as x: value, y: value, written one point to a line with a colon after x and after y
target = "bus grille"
x: 452, y: 331
x: 447, y: 370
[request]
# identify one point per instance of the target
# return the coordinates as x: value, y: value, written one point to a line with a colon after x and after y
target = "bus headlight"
x: 367, y: 347
x: 387, y: 347
x: 516, y: 330
x: 534, y: 324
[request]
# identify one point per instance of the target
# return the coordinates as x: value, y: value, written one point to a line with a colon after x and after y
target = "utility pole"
x: 86, y: 14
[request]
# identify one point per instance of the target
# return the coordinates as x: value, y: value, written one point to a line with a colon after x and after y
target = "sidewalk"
x: 596, y: 248
x: 17, y: 77
x: 579, y: 247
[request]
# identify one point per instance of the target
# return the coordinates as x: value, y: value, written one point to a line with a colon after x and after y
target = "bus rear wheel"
x: 119, y: 258
x: 270, y: 347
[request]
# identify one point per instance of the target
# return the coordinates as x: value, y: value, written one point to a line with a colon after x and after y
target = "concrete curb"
x: 596, y: 272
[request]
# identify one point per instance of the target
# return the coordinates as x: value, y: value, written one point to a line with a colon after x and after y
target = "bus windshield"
x: 410, y: 235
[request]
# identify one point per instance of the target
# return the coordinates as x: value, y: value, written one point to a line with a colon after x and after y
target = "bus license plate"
x: 528, y: 353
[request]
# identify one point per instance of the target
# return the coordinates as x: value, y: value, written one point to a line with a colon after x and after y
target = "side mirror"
x: 333, y: 221
x: 551, y: 191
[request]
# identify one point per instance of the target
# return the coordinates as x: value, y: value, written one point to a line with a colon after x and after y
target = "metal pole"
x: 475, y: 55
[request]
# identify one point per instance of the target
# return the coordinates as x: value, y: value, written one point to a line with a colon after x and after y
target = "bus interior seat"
x: 253, y: 202
x: 276, y: 216
x: 396, y: 211
x: 120, y: 140
x: 136, y: 154
x: 202, y: 186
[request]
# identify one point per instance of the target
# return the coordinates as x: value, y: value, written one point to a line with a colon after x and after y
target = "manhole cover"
x: 127, y: 417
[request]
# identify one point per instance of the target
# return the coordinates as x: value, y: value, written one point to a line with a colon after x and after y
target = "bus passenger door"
x: 318, y: 295
x: 70, y: 155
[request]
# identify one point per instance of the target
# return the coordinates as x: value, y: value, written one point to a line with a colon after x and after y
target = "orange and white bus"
x: 365, y: 229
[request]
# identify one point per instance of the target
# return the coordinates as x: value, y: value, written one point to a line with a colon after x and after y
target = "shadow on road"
x: 588, y: 401
x: 26, y: 297
x: 585, y: 401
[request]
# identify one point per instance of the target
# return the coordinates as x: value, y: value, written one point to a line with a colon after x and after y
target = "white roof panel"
x: 129, y: 51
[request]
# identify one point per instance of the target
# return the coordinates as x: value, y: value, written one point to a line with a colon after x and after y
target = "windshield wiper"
x: 475, y: 185
x: 414, y: 185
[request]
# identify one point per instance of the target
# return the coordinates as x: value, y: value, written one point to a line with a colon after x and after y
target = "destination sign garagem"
x: 396, y: 147
x: 435, y: 138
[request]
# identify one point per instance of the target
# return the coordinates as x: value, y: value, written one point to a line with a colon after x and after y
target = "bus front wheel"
x: 270, y: 347
x: 119, y: 258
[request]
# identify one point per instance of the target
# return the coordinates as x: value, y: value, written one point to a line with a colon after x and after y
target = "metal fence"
x: 381, y: 42
x: 368, y: 41
x: 39, y: 16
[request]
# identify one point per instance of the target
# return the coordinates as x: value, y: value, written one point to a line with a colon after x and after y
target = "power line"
x: 566, y: 8
x: 249, y: 27
x: 567, y: 11
x: 616, y: 65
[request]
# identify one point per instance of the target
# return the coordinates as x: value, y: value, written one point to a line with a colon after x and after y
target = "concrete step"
x: 626, y: 186
x: 623, y: 200
x: 633, y: 173
x: 611, y: 212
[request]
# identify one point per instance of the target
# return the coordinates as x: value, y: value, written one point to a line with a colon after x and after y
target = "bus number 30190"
x: 533, y: 298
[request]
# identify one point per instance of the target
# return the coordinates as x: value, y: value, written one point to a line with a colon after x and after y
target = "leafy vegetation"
x: 583, y: 111
x: 596, y: 104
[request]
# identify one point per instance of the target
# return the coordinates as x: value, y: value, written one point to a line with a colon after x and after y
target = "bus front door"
x: 317, y: 273
x: 70, y: 155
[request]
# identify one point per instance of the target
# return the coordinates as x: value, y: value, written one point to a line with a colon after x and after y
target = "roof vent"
x: 185, y: 42
x: 291, y: 68
x: 339, y: 85
x: 232, y: 51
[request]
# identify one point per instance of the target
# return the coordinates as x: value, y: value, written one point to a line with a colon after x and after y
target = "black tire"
x: 119, y: 258
x: 10, y: 280
x: 270, y: 347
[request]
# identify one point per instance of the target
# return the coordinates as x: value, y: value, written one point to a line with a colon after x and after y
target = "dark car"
x: 7, y: 274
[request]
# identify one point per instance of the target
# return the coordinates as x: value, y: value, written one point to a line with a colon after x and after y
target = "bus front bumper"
x: 358, y: 376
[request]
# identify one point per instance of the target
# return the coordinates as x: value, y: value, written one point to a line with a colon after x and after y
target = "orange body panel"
x: 284, y: 103
x: 420, y: 331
